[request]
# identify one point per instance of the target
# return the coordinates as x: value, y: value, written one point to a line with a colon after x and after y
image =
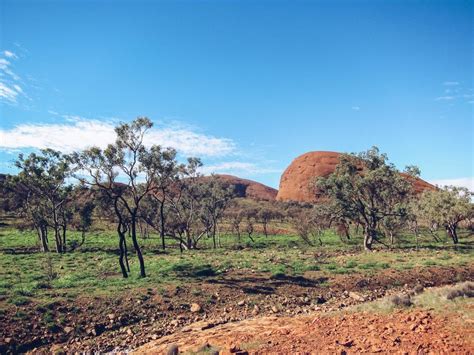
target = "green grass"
x: 433, y: 299
x: 92, y: 270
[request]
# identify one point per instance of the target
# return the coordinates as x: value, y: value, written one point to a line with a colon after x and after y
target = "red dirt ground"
x: 414, y: 332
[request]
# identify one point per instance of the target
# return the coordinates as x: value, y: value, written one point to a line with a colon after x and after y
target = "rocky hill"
x: 296, y: 179
x: 249, y: 188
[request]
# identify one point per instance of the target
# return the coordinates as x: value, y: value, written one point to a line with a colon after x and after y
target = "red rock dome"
x: 296, y: 179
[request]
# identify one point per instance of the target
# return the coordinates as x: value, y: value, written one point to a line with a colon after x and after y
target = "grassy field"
x: 92, y: 270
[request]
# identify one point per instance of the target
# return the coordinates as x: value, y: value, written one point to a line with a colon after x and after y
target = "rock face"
x: 296, y: 179
x: 248, y: 188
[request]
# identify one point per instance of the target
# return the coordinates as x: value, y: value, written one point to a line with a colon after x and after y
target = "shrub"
x: 401, y: 300
x: 466, y: 289
x: 418, y: 289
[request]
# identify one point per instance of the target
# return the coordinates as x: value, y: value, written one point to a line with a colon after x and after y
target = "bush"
x: 466, y: 289
x: 401, y: 300
x: 418, y: 289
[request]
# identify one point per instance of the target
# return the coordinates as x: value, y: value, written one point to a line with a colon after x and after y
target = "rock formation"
x: 296, y: 179
x: 248, y: 188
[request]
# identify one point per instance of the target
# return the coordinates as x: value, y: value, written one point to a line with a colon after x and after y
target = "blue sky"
x: 246, y: 85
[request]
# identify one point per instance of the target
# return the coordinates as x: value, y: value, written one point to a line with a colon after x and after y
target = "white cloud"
x: 467, y: 182
x: 236, y: 168
x: 18, y: 88
x: 7, y: 94
x: 10, y: 91
x: 79, y: 133
x: 444, y: 98
x: 451, y: 83
x: 355, y: 108
x: 9, y: 54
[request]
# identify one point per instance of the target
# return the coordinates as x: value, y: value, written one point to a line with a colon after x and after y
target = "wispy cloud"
x: 455, y: 92
x: 10, y: 82
x: 467, y: 182
x: 8, y: 94
x: 451, y: 83
x: 444, y: 98
x: 79, y: 133
x: 355, y: 108
x: 9, y: 54
x: 237, y: 168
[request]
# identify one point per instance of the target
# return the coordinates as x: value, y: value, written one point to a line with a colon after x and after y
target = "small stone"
x: 241, y: 303
x: 129, y: 331
x: 195, y: 308
x: 68, y: 330
x: 356, y: 296
x: 274, y: 309
x: 255, y: 310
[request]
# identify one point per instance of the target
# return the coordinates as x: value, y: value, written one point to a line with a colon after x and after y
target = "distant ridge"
x: 248, y: 188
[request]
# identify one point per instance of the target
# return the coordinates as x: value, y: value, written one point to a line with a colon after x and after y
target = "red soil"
x: 402, y: 332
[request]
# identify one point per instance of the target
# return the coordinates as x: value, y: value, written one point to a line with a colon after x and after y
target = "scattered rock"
x: 68, y: 330
x: 241, y: 303
x: 356, y: 296
x: 255, y: 310
x: 195, y: 308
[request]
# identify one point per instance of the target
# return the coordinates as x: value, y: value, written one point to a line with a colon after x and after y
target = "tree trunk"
x: 451, y: 229
x: 57, y: 239
x: 368, y: 238
x: 137, y: 247
x: 64, y: 238
x: 214, y: 235
x: 121, y: 235
x: 123, y: 252
x: 43, y: 238
x: 162, y: 223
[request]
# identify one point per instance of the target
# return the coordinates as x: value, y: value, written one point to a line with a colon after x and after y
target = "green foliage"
x: 366, y: 189
x: 92, y: 269
x: 447, y: 207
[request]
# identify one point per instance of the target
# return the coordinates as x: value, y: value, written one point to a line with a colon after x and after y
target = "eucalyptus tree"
x: 365, y: 188
x: 267, y: 213
x: 126, y: 172
x: 43, y: 189
x: 83, y: 205
x: 184, y: 202
x: 447, y: 207
x: 215, y: 196
x: 165, y: 179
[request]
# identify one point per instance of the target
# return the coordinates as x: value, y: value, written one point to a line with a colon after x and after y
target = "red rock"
x: 248, y: 188
x: 295, y: 183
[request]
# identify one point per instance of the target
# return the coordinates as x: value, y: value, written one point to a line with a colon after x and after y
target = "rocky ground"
x: 127, y: 322
x: 403, y: 332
